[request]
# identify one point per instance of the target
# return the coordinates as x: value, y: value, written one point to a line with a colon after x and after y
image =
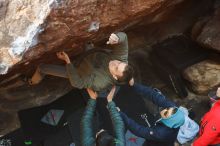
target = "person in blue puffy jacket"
x: 163, y: 132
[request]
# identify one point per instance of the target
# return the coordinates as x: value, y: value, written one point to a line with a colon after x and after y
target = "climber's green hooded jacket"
x: 93, y: 71
x: 87, y: 133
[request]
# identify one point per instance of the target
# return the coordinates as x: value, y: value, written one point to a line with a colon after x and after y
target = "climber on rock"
x: 98, y: 70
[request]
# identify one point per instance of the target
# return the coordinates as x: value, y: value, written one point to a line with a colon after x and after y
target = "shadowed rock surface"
x: 206, y: 31
x: 203, y: 76
x: 43, y: 27
x: 68, y: 25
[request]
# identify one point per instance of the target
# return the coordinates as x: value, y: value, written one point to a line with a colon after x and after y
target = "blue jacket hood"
x: 174, y: 121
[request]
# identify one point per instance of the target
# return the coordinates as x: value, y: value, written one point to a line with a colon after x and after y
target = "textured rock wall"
x: 32, y: 31
x: 207, y: 30
x: 20, y: 24
x: 203, y: 76
x: 40, y: 28
x: 69, y: 24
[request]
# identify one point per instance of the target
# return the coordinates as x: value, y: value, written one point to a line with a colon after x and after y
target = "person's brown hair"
x: 127, y: 75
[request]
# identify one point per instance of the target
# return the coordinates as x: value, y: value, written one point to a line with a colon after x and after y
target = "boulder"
x: 207, y: 30
x: 31, y: 29
x: 203, y: 76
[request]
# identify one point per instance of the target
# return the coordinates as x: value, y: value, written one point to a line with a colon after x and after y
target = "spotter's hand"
x: 111, y: 94
x: 92, y: 93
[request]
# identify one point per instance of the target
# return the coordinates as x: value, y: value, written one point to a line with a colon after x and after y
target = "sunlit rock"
x: 203, y: 76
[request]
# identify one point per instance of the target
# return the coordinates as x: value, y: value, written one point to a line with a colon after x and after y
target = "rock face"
x: 20, y: 23
x: 44, y: 25
x: 203, y: 76
x: 207, y: 30
x: 32, y: 31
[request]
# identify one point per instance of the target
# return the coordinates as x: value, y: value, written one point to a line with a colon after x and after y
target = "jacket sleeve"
x: 211, y: 132
x: 87, y: 137
x: 120, y: 50
x: 157, y: 133
x: 153, y: 95
x: 118, y: 124
x: 76, y: 80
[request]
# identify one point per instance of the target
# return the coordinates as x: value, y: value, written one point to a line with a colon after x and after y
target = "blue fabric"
x: 174, y: 121
x: 86, y: 131
x: 188, y: 130
x: 118, y: 125
x: 158, y: 132
x: 153, y: 95
x: 133, y: 140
